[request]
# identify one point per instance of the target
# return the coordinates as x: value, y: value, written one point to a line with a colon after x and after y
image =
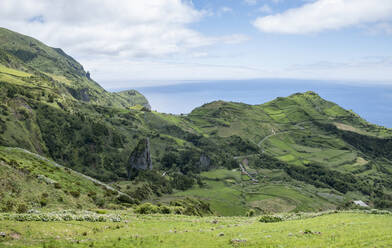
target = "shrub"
x: 57, y: 185
x: 8, y: 206
x: 125, y: 199
x: 270, y: 219
x: 75, y: 193
x: 251, y: 213
x: 22, y: 208
x: 178, y: 210
x: 147, y: 208
x: 142, y: 193
x: 165, y: 210
x: 43, y: 202
x: 182, y: 182
x: 100, y: 202
x: 193, y: 206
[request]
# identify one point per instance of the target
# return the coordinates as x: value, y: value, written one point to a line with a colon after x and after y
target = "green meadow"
x: 346, y: 229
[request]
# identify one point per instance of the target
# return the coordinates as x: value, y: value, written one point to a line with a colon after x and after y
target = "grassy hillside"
x: 346, y: 229
x: 308, y: 139
x: 298, y: 153
x: 28, y: 181
x: 30, y: 63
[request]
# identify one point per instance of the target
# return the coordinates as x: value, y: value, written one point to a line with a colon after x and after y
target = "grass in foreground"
x: 333, y: 230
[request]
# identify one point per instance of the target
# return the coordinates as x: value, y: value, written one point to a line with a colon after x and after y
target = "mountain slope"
x: 30, y: 181
x: 308, y: 139
x: 297, y: 153
x: 39, y: 65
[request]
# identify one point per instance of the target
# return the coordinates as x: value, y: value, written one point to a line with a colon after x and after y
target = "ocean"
x: 372, y: 102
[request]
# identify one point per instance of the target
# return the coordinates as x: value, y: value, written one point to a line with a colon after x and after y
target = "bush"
x: 100, y: 202
x: 43, y: 202
x: 22, y: 208
x: 251, y: 213
x: 178, y: 210
x: 125, y: 199
x: 182, y: 182
x: 75, y: 193
x: 270, y: 219
x: 142, y: 193
x: 192, y: 206
x: 8, y: 206
x: 64, y: 216
x: 147, y: 208
x: 165, y: 210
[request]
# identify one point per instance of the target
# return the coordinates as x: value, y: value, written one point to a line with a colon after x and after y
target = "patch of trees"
x: 184, y: 167
x: 319, y: 176
x: 369, y: 145
x: 24, y: 55
x: 12, y: 91
x: 78, y: 141
x: 373, y: 146
x: 154, y: 184
x: 183, y: 182
x: 184, y: 161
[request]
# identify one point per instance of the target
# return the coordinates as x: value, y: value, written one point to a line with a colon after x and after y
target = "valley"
x: 84, y: 167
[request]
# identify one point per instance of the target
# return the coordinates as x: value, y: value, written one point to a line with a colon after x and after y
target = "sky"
x: 135, y: 43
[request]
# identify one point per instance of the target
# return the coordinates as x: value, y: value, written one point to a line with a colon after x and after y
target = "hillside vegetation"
x: 297, y: 153
x: 29, y: 181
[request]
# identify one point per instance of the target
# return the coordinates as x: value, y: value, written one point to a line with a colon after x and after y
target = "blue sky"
x: 131, y: 43
x: 344, y: 50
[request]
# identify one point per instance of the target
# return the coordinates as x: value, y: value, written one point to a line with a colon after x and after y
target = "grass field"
x: 350, y: 229
x: 223, y: 187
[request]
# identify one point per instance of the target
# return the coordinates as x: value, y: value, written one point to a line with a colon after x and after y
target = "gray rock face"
x: 140, y: 158
x: 205, y: 162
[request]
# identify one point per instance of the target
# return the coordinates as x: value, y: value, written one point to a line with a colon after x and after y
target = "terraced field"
x: 232, y: 194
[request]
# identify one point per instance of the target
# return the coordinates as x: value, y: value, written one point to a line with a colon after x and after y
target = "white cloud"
x: 119, y: 40
x: 326, y: 15
x: 123, y: 28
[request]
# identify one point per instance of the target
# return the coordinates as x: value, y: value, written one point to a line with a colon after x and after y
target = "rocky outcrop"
x: 132, y: 98
x: 205, y: 162
x: 140, y: 158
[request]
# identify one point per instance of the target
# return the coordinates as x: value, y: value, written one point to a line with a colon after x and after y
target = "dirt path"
x: 274, y: 133
x: 244, y: 171
x: 298, y: 125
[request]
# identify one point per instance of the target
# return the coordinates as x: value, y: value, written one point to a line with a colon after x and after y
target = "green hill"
x: 29, y: 181
x: 28, y: 62
x: 299, y: 153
